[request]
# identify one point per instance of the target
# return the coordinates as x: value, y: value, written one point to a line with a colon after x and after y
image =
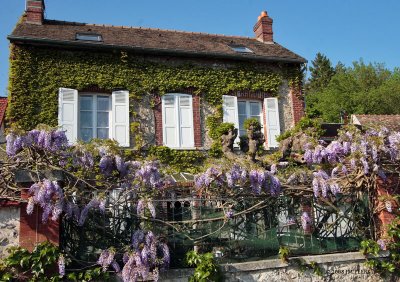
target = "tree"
x: 360, y: 89
x: 321, y: 73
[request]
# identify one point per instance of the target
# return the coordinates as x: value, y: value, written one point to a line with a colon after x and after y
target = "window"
x: 177, y: 116
x: 248, y: 109
x: 240, y: 49
x: 237, y: 111
x: 89, y: 37
x: 91, y: 115
x: 94, y: 116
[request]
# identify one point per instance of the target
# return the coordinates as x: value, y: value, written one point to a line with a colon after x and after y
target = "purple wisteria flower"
x: 106, y: 258
x: 305, y: 221
x: 121, y: 166
x: 382, y: 244
x: 115, y: 266
x: 152, y: 209
x: 94, y: 203
x: 61, y: 265
x: 106, y: 165
x: 49, y: 195
x: 388, y: 206
x: 229, y: 213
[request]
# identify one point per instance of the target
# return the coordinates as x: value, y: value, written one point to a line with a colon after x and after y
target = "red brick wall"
x: 386, y: 188
x: 34, y: 11
x: 158, y: 121
x: 32, y: 230
x: 297, y: 104
x: 263, y: 29
x: 197, y: 121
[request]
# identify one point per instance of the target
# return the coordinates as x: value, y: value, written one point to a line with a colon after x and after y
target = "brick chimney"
x: 34, y: 11
x: 263, y: 28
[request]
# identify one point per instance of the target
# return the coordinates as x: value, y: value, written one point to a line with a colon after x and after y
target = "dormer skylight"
x: 89, y: 37
x: 240, y: 49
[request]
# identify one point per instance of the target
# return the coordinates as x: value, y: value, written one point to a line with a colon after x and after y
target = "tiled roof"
x: 391, y: 122
x: 147, y: 40
x: 3, y: 107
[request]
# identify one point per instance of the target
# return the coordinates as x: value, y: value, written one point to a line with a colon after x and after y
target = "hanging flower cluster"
x: 257, y: 180
x: 107, y: 258
x: 148, y: 256
x: 49, y: 195
x: 53, y: 140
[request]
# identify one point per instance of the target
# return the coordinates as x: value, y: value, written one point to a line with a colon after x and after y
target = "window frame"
x: 248, y: 113
x: 94, y: 111
x: 178, y: 124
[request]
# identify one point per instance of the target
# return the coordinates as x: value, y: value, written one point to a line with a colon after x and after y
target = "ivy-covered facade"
x: 47, y: 56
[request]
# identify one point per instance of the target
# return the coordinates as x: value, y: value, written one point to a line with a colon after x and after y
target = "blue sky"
x: 344, y: 30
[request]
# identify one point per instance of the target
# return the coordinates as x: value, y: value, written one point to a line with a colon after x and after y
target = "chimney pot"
x: 263, y: 28
x: 34, y: 11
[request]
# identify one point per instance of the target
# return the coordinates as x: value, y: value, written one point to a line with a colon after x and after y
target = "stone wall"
x: 9, y: 228
x: 344, y: 267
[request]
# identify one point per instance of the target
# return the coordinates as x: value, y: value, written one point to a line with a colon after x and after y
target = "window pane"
x: 184, y: 101
x: 86, y: 119
x: 103, y: 103
x: 102, y: 119
x: 102, y: 133
x: 86, y: 134
x: 86, y: 102
x: 254, y: 109
x: 242, y: 107
x: 242, y: 132
x: 241, y: 121
x: 169, y: 100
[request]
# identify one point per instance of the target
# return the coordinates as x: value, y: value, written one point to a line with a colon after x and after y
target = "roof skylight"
x: 89, y: 37
x: 240, y: 49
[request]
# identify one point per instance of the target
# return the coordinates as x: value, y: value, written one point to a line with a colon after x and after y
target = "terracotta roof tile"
x: 155, y: 40
x: 391, y: 122
x: 3, y: 107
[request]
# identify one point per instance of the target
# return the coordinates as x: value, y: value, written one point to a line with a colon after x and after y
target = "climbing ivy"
x: 37, y: 73
x: 179, y: 160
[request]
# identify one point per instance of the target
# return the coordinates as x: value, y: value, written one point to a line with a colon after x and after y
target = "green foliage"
x: 94, y: 274
x: 252, y: 122
x: 37, y: 265
x: 224, y: 128
x: 284, y: 253
x: 37, y: 73
x: 215, y: 150
x: 360, y: 89
x: 310, y: 126
x: 303, y: 265
x: 371, y: 249
x: 321, y: 72
x: 41, y: 265
x: 179, y: 160
x: 206, y: 267
x: 138, y: 137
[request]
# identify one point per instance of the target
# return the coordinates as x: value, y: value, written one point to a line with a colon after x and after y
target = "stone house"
x: 149, y: 86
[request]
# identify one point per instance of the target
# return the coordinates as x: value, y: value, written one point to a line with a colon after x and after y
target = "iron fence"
x: 257, y: 229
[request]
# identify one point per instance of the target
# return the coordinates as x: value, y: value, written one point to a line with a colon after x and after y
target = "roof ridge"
x: 150, y: 28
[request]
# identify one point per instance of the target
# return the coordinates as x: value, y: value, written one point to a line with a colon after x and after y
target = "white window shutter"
x: 68, y: 113
x: 230, y: 109
x: 120, y: 117
x: 170, y: 121
x: 272, y: 118
x: 186, y: 121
